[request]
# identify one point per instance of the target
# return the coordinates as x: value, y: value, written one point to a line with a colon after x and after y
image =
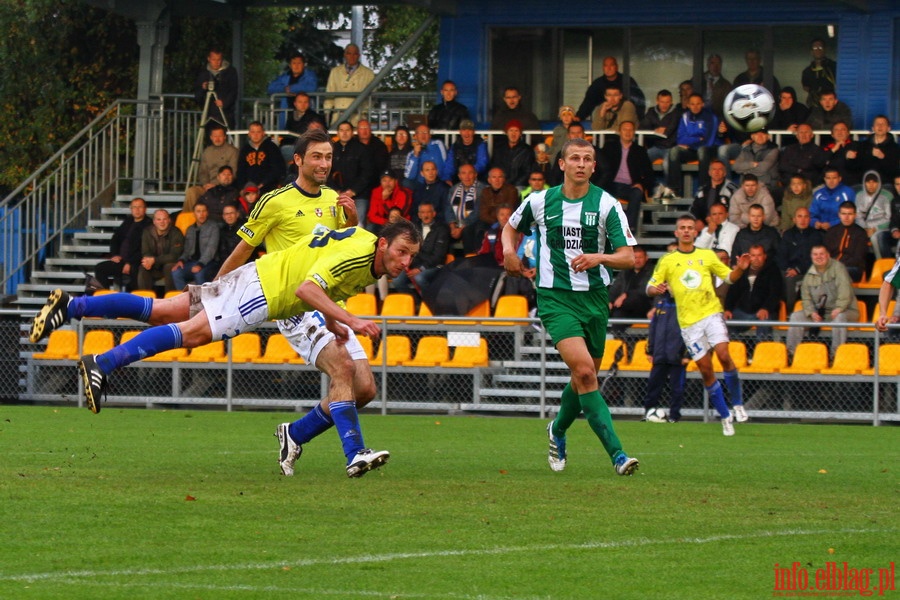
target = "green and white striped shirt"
x: 568, y: 228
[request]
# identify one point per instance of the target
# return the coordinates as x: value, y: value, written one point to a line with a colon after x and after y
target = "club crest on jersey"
x: 590, y: 219
x: 690, y: 279
x: 318, y: 212
x: 299, y: 214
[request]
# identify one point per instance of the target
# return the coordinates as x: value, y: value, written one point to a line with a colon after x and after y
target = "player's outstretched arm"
x: 316, y: 297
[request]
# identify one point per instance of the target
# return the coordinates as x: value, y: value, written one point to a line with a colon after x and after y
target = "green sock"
x: 597, y: 413
x: 569, y: 409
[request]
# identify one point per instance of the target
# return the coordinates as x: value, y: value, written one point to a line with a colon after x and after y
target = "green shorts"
x: 566, y: 314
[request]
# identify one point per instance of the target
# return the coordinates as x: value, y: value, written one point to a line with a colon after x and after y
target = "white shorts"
x: 308, y: 335
x: 234, y: 304
x: 705, y: 334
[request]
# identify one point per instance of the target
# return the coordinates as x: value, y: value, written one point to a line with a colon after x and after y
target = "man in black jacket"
x: 630, y: 175
x: 794, y: 254
x: 260, y: 161
x: 125, y: 249
x: 628, y: 297
x: 758, y: 292
x: 449, y: 113
x: 432, y: 254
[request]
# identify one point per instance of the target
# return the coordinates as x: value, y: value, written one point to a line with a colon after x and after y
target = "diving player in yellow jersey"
x: 687, y: 274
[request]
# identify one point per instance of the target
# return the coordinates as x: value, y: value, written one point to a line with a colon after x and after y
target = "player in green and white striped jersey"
x: 582, y: 235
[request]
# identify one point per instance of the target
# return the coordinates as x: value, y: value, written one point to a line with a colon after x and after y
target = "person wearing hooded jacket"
x: 873, y: 213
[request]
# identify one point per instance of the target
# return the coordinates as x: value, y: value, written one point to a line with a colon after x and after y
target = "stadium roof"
x: 227, y: 9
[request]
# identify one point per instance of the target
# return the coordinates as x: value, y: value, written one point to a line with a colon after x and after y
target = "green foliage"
x: 135, y: 503
x: 395, y: 25
x: 61, y: 63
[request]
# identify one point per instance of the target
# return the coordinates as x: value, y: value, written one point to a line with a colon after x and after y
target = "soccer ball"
x: 749, y: 107
x: 656, y: 415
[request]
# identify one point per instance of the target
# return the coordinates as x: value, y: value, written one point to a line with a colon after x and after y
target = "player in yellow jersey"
x: 321, y: 269
x: 687, y: 274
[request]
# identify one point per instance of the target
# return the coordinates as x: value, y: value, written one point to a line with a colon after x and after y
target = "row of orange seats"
x: 431, y: 351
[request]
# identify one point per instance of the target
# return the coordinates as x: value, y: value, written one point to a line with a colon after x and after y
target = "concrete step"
x: 42, y: 276
x: 83, y: 264
x: 95, y: 236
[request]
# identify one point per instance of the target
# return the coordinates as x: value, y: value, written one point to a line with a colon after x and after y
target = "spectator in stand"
x: 837, y: 151
x: 667, y: 352
x: 628, y: 297
x: 462, y: 212
x: 223, y: 194
x: 248, y: 197
x: 789, y: 114
x: 512, y: 109
x: 829, y: 111
x: 295, y: 79
x: 400, y: 150
x: 260, y: 160
x: 895, y: 209
x: 298, y: 121
x: 756, y: 232
x: 827, y: 294
x: 685, y: 90
x: 378, y: 150
x: 794, y: 258
x: 663, y: 120
x: 879, y: 151
x: 760, y: 158
x: 873, y: 213
x: 542, y: 160
x: 828, y: 198
x: 352, y: 77
x: 220, y: 78
x: 697, y: 137
x: 497, y: 193
x: 596, y: 93
x: 718, y: 190
x: 467, y: 149
x: 631, y: 172
x: 447, y: 114
x: 351, y: 170
x: 493, y: 243
x: 756, y: 74
x: 715, y: 87
x: 161, y: 245
x: 718, y: 233
x: 233, y: 220
x: 515, y: 157
x: 536, y: 183
x: 121, y: 267
x: 561, y: 131
x: 797, y: 195
x: 758, y: 292
x: 215, y: 156
x: 432, y: 191
x: 820, y: 75
x: 731, y: 142
x: 389, y: 195
x: 424, y: 148
x: 804, y: 158
x: 750, y: 194
x: 576, y: 131
x: 197, y: 262
x: 847, y: 242
x: 614, y: 110
x: 432, y: 253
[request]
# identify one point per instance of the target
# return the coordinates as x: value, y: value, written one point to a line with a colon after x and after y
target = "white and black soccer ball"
x: 656, y: 415
x: 749, y: 107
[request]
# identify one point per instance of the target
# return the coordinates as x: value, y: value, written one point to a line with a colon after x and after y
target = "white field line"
x: 397, y: 556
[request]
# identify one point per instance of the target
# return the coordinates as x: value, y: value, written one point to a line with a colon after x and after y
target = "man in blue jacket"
x: 697, y: 135
x: 827, y: 199
x: 669, y: 357
x: 297, y: 78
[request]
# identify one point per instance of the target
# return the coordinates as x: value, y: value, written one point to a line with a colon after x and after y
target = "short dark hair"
x: 749, y: 177
x: 847, y: 204
x: 346, y: 123
x: 663, y: 92
x: 756, y: 205
x: 401, y: 228
x: 296, y: 54
x: 313, y: 136
x: 581, y: 143
x: 225, y: 168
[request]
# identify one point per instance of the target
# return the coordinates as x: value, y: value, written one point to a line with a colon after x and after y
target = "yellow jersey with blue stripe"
x: 340, y: 261
x: 690, y: 279
x: 283, y: 216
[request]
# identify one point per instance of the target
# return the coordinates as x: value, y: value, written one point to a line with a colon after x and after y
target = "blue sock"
x: 733, y: 383
x: 147, y: 343
x: 111, y: 306
x: 718, y: 399
x: 346, y: 420
x: 315, y: 422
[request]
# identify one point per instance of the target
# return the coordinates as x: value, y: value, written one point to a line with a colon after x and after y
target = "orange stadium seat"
x: 431, y: 351
x: 61, y: 345
x: 278, y: 351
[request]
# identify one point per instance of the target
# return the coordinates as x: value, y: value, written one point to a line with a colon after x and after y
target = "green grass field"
x: 133, y: 503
